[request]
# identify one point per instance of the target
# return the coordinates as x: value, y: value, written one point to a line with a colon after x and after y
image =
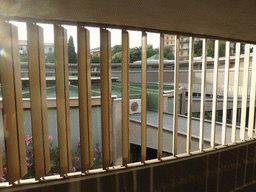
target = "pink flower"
x: 3, y: 179
x: 4, y: 169
x: 78, y: 140
x: 50, y: 137
x: 27, y: 158
x: 76, y: 159
x: 94, y: 159
x: 29, y: 164
x: 74, y: 169
x: 27, y: 143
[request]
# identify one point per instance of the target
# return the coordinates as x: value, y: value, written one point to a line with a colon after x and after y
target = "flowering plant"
x: 54, y: 159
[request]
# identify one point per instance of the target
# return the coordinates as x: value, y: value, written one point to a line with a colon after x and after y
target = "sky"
x: 135, y: 36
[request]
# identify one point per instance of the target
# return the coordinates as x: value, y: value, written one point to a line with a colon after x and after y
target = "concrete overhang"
x: 233, y: 20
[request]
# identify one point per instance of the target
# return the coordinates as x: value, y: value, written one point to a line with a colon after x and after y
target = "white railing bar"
x: 252, y: 95
x: 235, y: 94
x: 176, y: 95
x: 215, y: 90
x: 160, y: 96
x: 190, y: 92
x: 225, y: 99
x: 245, y: 91
x: 203, y: 86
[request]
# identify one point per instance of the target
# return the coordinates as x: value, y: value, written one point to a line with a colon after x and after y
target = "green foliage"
x: 210, y: 48
x: 24, y: 58
x: 135, y: 53
x: 54, y: 159
x: 95, y: 59
x: 72, y: 57
x: 198, y: 48
x: 116, y: 49
x: 50, y: 58
x: 117, y: 57
x: 151, y: 51
x: 168, y: 52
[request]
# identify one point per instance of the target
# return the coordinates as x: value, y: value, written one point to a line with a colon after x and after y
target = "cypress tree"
x: 71, y: 51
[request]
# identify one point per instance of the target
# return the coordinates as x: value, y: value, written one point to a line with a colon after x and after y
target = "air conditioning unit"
x: 135, y: 106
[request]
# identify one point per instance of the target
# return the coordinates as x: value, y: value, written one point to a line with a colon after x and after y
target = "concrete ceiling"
x: 230, y: 19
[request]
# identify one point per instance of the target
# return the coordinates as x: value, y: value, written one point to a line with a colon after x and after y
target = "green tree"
x: 151, y: 51
x: 135, y: 54
x: 72, y: 58
x: 168, y: 52
x: 117, y: 57
x: 116, y: 49
x: 50, y: 58
x: 24, y: 58
x: 210, y: 48
x: 95, y: 59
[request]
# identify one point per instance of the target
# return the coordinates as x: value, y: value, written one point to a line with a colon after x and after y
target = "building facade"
x: 184, y: 45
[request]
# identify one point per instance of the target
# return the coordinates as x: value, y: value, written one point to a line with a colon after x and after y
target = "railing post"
x: 225, y: 98
x: 144, y: 97
x: 215, y: 90
x: 252, y: 95
x: 12, y: 103
x: 106, y: 101
x: 85, y: 106
x: 190, y: 92
x: 245, y: 91
x: 125, y: 96
x: 235, y: 95
x: 203, y: 86
x: 160, y: 96
x: 176, y: 95
x: 39, y: 116
x: 62, y: 95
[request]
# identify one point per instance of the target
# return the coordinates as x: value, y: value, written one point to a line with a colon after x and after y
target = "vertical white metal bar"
x: 236, y: 89
x: 160, y: 96
x: 176, y: 95
x: 245, y: 91
x: 190, y: 92
x: 203, y: 85
x: 144, y: 97
x: 252, y: 95
x: 125, y: 96
x: 105, y: 69
x: 225, y: 98
x: 215, y: 90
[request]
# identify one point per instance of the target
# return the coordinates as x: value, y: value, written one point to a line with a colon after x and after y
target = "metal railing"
x: 13, y: 109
